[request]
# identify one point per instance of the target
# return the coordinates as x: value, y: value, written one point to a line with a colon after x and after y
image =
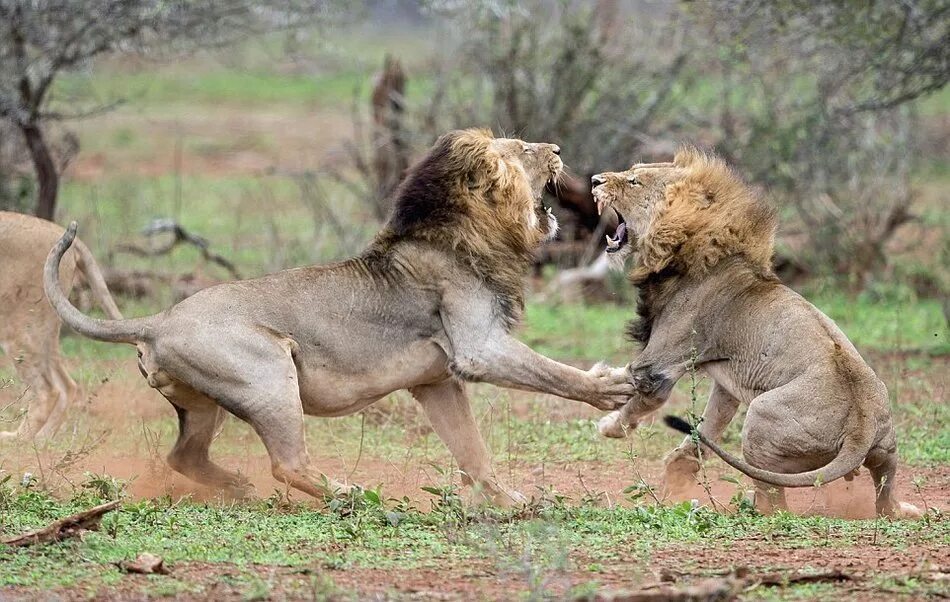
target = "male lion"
x: 29, y: 328
x: 703, y: 244
x: 427, y: 306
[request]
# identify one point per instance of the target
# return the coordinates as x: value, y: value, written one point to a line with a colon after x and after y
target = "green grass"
x: 874, y: 322
x: 366, y: 531
x: 255, y: 74
x: 170, y: 87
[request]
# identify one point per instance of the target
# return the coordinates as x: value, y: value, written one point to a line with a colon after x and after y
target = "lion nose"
x: 598, y: 179
x: 555, y: 149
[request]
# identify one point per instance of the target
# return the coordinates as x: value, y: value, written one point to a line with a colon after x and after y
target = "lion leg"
x: 652, y: 385
x: 447, y: 407
x: 66, y: 392
x: 769, y: 498
x: 883, y: 466
x: 281, y: 428
x: 682, y: 463
x: 273, y: 408
x: 254, y: 378
x: 198, y: 420
x: 41, y: 394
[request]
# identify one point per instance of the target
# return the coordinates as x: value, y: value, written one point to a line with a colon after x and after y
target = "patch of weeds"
x: 104, y: 487
x: 535, y: 551
x: 163, y: 586
x: 798, y: 591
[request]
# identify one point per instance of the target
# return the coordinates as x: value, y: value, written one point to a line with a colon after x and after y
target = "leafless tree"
x: 872, y: 54
x: 587, y: 75
x: 40, y: 39
x: 812, y: 102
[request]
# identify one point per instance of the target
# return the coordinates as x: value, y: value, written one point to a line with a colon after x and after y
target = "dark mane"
x: 652, y: 295
x: 425, y: 197
x: 452, y: 200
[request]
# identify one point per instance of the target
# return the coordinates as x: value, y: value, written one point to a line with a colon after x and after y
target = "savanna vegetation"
x: 266, y: 146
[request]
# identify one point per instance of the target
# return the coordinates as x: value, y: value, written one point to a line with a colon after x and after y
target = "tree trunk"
x: 47, y: 178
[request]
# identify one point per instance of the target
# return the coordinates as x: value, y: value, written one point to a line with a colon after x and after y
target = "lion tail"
x: 90, y: 269
x: 114, y: 330
x: 849, y: 458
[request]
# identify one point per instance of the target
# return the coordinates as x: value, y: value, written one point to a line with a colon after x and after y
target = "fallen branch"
x: 180, y: 235
x: 71, y: 526
x: 727, y: 586
x: 706, y: 590
x: 773, y: 579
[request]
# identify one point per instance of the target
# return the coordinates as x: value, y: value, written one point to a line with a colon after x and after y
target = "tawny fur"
x: 29, y: 328
x: 426, y: 307
x: 701, y: 243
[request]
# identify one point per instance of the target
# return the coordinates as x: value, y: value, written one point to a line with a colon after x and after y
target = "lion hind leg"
x: 66, y: 392
x: 255, y: 379
x: 447, y: 407
x: 273, y: 408
x: 198, y: 420
x: 35, y: 371
x: 883, y: 466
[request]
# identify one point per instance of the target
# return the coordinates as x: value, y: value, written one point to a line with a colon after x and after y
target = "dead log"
x: 706, y: 590
x: 573, y: 194
x: 71, y: 526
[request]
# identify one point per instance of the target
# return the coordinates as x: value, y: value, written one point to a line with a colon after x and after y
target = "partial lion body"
x: 29, y: 328
x: 709, y: 301
x: 426, y: 307
x: 351, y: 338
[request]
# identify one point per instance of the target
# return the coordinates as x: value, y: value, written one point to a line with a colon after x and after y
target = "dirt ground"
x: 130, y: 450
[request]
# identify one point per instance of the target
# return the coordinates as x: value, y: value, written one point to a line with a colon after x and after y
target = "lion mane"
x: 466, y: 199
x: 706, y: 217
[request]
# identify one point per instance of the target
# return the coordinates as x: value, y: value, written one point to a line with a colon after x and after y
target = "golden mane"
x: 705, y: 217
x: 466, y: 199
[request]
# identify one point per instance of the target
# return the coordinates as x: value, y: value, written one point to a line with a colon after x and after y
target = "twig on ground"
x: 70, y: 526
x: 721, y: 586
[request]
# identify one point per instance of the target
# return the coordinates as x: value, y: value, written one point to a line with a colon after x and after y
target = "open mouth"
x: 619, y: 238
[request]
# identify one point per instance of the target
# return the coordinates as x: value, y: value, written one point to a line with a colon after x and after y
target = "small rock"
x: 146, y: 564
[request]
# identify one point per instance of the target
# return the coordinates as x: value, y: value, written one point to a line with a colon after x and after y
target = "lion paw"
x: 612, y: 425
x: 905, y: 510
x: 612, y: 386
x: 497, y: 495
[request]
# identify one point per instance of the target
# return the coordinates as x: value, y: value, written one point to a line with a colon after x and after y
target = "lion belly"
x: 332, y: 386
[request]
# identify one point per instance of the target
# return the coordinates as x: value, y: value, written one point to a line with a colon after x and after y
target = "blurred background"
x: 276, y: 132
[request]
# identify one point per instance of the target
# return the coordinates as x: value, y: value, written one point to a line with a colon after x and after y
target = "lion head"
x: 686, y: 216
x: 479, y: 198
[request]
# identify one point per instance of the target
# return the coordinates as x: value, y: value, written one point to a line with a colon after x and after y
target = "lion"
x: 427, y: 307
x: 29, y: 328
x: 702, y: 243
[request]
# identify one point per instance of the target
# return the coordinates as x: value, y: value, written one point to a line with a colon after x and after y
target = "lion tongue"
x: 614, y: 242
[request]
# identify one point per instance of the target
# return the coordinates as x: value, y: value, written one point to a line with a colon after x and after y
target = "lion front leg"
x: 652, y: 387
x: 447, y: 407
x: 507, y: 362
x: 682, y: 463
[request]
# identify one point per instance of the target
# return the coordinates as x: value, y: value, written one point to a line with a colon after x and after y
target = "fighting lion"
x: 29, y: 328
x: 702, y: 243
x: 428, y: 306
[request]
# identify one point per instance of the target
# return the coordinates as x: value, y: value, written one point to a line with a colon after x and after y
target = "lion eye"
x: 527, y: 150
x: 633, y: 181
